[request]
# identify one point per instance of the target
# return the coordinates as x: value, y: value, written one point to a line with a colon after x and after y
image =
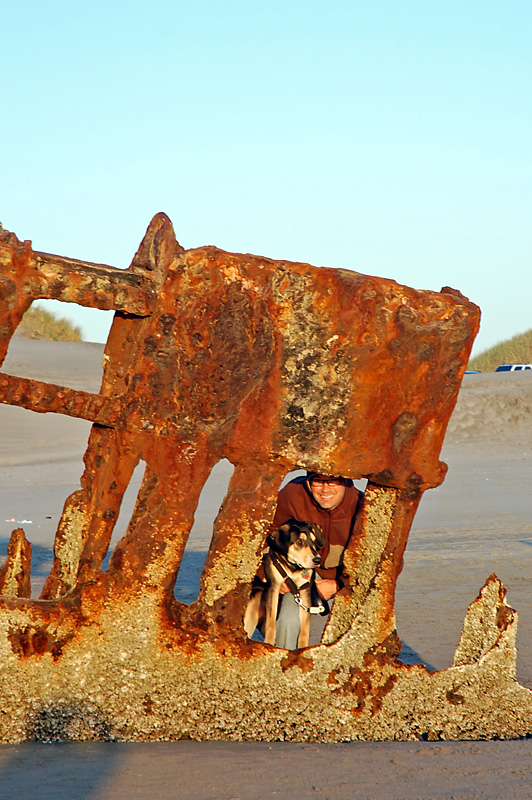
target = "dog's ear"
x: 318, y: 535
x: 279, y: 538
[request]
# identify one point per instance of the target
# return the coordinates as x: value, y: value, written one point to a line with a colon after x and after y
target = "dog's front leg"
x: 272, y: 603
x: 304, y: 619
x: 252, y: 615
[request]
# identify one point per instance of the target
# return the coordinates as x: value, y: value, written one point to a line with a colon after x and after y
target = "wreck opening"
x: 95, y: 323
x: 77, y: 364
x: 129, y: 508
x: 300, y: 508
x: 213, y: 493
x: 52, y: 462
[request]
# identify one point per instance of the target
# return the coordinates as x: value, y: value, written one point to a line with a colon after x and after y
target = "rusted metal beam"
x: 93, y: 285
x: 47, y: 397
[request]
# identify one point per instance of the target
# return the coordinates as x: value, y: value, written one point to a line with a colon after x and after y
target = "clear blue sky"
x: 393, y: 138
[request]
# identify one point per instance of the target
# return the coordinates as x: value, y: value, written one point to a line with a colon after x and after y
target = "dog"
x: 292, y: 558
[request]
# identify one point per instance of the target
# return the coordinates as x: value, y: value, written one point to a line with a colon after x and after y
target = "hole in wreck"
x: 76, y: 364
x: 41, y: 455
x: 316, y: 629
x: 212, y: 495
x: 214, y: 491
x: 41, y: 463
x: 317, y: 622
x: 126, y: 510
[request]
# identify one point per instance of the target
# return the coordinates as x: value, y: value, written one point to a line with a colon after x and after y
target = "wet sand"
x: 476, y: 523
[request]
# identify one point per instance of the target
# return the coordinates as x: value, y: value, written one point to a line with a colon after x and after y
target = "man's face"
x: 327, y: 492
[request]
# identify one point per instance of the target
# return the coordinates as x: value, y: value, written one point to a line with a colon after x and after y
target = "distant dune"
x: 493, y: 404
x: 517, y: 350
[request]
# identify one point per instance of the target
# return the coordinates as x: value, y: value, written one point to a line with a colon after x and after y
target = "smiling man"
x: 331, y: 502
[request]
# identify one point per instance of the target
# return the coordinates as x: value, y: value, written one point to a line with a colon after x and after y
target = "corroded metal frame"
x: 274, y: 366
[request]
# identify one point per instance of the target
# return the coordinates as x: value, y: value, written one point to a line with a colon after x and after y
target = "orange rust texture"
x: 270, y: 364
x: 373, y: 559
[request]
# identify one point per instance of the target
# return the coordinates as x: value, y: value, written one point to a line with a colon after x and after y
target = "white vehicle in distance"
x: 512, y: 367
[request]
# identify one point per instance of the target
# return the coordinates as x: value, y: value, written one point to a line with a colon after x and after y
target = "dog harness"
x: 294, y: 589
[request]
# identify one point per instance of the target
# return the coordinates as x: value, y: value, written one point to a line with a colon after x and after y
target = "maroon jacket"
x: 295, y: 501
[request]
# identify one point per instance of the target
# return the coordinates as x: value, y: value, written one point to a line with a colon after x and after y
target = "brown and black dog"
x: 292, y: 558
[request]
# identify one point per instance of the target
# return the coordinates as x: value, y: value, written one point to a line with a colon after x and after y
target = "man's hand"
x: 284, y: 589
x: 327, y: 588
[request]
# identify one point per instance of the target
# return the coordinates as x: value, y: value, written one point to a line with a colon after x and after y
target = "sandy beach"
x: 478, y: 522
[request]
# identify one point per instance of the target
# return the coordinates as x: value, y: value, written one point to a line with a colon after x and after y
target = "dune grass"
x: 517, y: 350
x: 37, y: 323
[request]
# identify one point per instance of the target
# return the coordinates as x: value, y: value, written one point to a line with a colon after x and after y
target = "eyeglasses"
x: 326, y: 482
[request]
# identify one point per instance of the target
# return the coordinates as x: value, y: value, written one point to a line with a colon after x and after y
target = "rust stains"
x: 29, y: 641
x: 294, y: 659
x: 273, y: 366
